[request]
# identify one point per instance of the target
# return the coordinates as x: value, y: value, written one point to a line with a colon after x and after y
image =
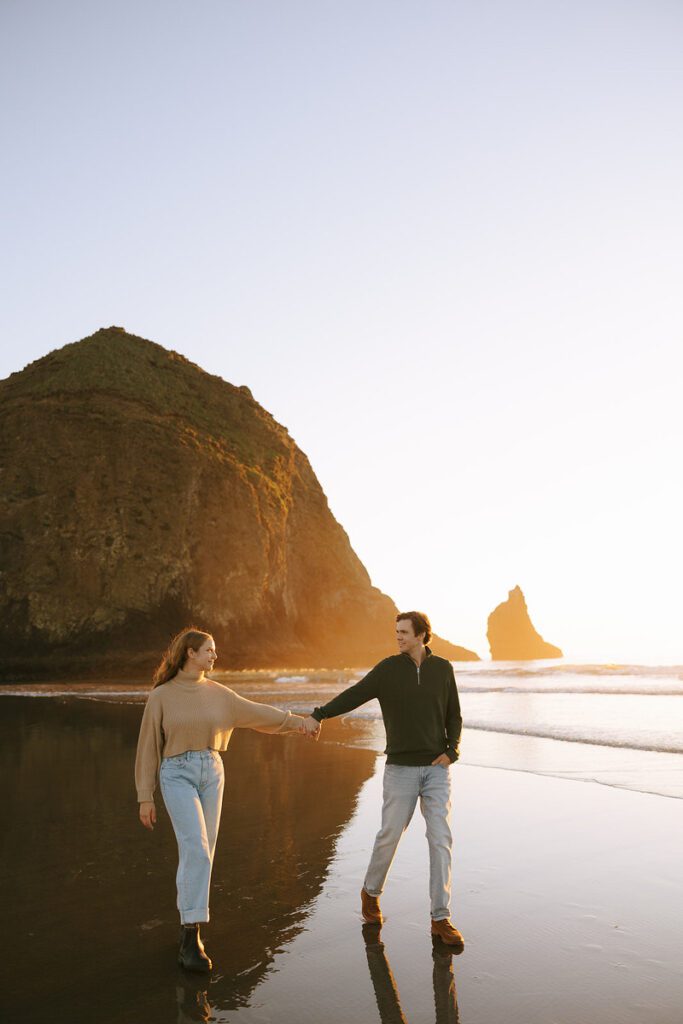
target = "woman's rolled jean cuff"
x: 200, y: 915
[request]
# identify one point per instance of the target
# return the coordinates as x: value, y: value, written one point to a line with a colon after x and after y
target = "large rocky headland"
x: 511, y: 634
x: 141, y: 494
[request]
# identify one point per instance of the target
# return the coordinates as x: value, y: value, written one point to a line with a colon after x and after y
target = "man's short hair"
x: 421, y: 623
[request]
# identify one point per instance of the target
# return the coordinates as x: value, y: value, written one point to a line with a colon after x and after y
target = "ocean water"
x: 619, y: 725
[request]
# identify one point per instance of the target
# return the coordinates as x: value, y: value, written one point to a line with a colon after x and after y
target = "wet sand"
x: 568, y: 893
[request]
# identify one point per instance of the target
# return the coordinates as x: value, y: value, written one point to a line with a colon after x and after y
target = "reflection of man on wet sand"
x: 386, y: 990
x: 421, y: 711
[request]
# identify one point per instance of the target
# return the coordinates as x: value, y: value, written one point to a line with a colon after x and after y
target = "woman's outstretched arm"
x: 250, y: 714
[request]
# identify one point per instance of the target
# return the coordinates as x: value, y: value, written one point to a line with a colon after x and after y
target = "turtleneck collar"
x: 187, y: 682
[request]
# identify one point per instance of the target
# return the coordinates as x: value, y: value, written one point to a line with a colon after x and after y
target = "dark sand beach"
x: 568, y: 893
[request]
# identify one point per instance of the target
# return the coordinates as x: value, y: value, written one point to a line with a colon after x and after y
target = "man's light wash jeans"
x: 403, y: 784
x: 192, y: 788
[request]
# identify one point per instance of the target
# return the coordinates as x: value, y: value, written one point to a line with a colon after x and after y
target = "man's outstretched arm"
x: 349, y: 699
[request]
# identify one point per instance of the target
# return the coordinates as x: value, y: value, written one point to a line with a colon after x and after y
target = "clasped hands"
x: 310, y: 727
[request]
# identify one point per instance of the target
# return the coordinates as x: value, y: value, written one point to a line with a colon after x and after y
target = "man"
x: 421, y: 711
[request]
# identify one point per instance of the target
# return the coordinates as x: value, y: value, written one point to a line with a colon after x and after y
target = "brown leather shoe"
x: 447, y: 933
x: 370, y: 908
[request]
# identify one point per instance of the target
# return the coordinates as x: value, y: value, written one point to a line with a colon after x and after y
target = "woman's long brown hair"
x: 176, y: 655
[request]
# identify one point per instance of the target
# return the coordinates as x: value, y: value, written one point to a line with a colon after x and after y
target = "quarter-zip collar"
x: 428, y: 654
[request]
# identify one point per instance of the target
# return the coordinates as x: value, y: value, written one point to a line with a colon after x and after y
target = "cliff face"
x: 141, y: 494
x: 511, y: 635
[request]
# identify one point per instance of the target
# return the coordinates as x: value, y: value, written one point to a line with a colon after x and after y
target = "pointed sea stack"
x: 511, y: 635
x: 140, y: 495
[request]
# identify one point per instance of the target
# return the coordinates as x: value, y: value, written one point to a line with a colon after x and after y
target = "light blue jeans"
x: 403, y: 785
x: 192, y: 787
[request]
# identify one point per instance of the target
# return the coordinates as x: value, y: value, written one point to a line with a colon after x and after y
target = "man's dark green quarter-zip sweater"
x: 420, y: 707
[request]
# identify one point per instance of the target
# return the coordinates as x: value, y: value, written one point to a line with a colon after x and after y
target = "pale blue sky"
x: 441, y: 242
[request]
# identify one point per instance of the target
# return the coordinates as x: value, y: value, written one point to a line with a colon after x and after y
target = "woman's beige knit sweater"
x: 190, y: 714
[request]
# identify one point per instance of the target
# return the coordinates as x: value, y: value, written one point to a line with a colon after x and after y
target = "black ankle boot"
x: 191, y: 955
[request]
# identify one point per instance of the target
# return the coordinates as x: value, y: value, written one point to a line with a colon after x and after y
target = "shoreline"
x: 617, y: 765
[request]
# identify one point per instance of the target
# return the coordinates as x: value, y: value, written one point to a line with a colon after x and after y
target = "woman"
x: 188, y: 718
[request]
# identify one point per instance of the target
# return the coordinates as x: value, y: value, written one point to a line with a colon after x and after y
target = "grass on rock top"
x: 214, y: 414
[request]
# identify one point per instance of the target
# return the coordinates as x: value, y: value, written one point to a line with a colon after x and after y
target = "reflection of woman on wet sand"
x: 187, y: 720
